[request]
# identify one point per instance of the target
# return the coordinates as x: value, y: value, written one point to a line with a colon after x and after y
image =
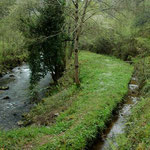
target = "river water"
x: 16, y: 100
x: 117, y: 126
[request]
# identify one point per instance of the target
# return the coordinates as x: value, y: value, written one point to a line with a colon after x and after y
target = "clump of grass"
x: 137, y: 135
x: 138, y: 128
x: 104, y: 82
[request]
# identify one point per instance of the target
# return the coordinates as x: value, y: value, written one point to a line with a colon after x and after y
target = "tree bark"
x: 76, y: 44
x: 78, y: 30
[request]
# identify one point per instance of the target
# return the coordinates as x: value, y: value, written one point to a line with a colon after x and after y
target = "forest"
x: 74, y: 75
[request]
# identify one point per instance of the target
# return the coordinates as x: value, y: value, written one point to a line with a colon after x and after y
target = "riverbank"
x: 15, y: 100
x: 71, y: 118
x: 137, y: 135
x: 8, y: 60
x: 119, y: 119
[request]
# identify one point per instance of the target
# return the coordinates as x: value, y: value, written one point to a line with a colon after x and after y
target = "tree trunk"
x: 76, y: 43
x: 78, y: 30
x: 76, y: 62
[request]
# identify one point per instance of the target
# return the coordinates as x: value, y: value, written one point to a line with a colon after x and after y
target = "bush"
x: 125, y: 38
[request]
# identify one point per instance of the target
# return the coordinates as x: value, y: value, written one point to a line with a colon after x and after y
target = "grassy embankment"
x: 137, y: 136
x: 10, y: 57
x: 81, y: 112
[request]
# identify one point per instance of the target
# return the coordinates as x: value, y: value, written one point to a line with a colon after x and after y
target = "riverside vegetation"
x: 12, y: 50
x: 87, y: 88
x: 83, y: 111
x: 137, y: 130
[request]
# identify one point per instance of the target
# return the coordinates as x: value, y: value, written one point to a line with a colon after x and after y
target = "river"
x: 16, y: 100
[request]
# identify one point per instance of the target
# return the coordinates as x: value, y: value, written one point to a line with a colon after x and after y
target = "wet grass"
x: 137, y: 135
x: 78, y: 114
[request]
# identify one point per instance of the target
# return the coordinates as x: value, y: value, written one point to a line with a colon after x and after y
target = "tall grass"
x: 12, y: 51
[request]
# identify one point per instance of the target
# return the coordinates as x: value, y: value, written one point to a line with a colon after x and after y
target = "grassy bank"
x: 70, y: 118
x: 10, y: 56
x: 137, y: 136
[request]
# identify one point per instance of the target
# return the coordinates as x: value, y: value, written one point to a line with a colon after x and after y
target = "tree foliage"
x: 44, y: 29
x: 122, y: 29
x: 4, y: 7
x: 12, y: 51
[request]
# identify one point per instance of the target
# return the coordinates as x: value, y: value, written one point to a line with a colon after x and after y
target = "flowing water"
x: 16, y: 100
x: 117, y: 125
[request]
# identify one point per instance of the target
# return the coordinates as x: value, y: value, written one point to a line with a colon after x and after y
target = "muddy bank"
x: 15, y: 100
x: 117, y: 125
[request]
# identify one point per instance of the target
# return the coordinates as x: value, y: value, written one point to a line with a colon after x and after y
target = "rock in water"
x: 12, y: 76
x: 6, y: 97
x: 4, y: 88
x: 15, y: 114
x: 20, y: 123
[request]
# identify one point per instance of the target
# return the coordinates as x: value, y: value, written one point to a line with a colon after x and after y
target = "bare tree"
x: 83, y: 10
x: 79, y: 17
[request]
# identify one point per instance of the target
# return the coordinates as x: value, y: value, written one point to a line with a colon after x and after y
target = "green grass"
x: 137, y: 135
x: 84, y: 111
x: 10, y: 56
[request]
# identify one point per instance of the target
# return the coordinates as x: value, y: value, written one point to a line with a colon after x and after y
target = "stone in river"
x: 20, y: 123
x: 15, y: 114
x: 6, y: 97
x: 4, y: 88
x: 12, y: 76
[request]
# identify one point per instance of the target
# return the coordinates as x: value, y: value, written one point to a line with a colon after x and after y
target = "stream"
x: 16, y: 100
x: 117, y: 125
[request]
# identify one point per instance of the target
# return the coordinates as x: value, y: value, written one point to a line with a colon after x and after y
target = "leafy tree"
x: 44, y: 29
x: 4, y: 7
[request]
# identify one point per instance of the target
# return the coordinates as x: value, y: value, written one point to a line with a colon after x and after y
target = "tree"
x: 43, y: 29
x: 79, y: 17
x: 4, y: 7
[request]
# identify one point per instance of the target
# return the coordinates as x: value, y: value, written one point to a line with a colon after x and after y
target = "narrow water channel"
x: 16, y: 100
x: 117, y: 125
